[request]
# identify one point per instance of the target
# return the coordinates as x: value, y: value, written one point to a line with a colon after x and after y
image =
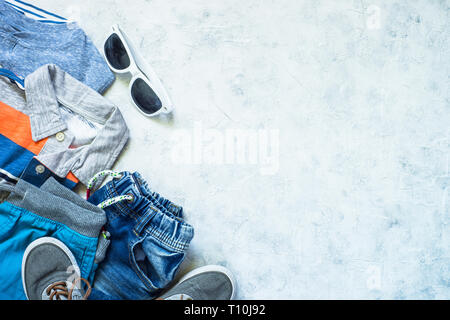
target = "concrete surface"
x: 338, y: 185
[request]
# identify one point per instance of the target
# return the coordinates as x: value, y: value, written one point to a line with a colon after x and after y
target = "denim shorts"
x: 50, y: 211
x: 26, y: 44
x: 148, y: 241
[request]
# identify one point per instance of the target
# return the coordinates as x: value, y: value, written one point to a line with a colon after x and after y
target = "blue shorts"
x: 50, y: 211
x: 26, y: 44
x: 149, y: 240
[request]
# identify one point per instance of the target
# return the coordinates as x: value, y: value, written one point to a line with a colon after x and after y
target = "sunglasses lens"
x: 144, y: 97
x: 115, y: 53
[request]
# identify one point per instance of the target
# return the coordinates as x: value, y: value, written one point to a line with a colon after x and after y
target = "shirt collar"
x: 47, y: 88
x: 42, y: 104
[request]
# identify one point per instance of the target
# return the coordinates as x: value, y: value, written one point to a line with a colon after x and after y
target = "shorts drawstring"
x: 111, y: 201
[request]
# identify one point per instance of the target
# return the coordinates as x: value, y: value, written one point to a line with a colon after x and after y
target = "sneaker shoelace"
x: 59, y: 289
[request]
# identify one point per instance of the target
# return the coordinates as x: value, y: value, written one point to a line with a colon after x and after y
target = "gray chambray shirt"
x: 84, y: 132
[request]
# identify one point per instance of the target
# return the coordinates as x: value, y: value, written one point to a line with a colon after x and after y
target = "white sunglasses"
x: 146, y: 90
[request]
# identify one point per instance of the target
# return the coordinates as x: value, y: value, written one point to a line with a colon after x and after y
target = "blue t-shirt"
x: 26, y: 44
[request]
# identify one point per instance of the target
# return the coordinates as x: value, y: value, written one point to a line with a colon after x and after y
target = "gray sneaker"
x: 205, y: 283
x: 50, y: 272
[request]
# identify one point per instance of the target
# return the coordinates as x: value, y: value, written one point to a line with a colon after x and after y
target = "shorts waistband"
x: 55, y: 202
x: 154, y: 214
x: 12, y: 22
x: 160, y: 202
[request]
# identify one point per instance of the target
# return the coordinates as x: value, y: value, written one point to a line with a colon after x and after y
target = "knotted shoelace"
x: 59, y: 289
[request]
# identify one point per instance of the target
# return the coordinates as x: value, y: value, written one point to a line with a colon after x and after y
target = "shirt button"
x: 40, y: 168
x: 60, y: 136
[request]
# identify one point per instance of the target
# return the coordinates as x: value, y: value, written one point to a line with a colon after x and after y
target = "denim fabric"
x: 149, y: 240
x: 26, y: 44
x: 31, y: 213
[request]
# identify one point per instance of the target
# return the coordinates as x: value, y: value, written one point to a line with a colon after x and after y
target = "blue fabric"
x: 20, y: 163
x: 13, y: 158
x: 26, y: 44
x: 18, y: 228
x: 149, y: 240
x: 12, y: 76
x: 37, y: 179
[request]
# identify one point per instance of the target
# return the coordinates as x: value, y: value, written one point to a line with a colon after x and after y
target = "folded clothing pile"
x: 56, y: 131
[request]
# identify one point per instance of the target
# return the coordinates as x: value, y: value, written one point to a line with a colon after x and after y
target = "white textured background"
x: 359, y: 207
